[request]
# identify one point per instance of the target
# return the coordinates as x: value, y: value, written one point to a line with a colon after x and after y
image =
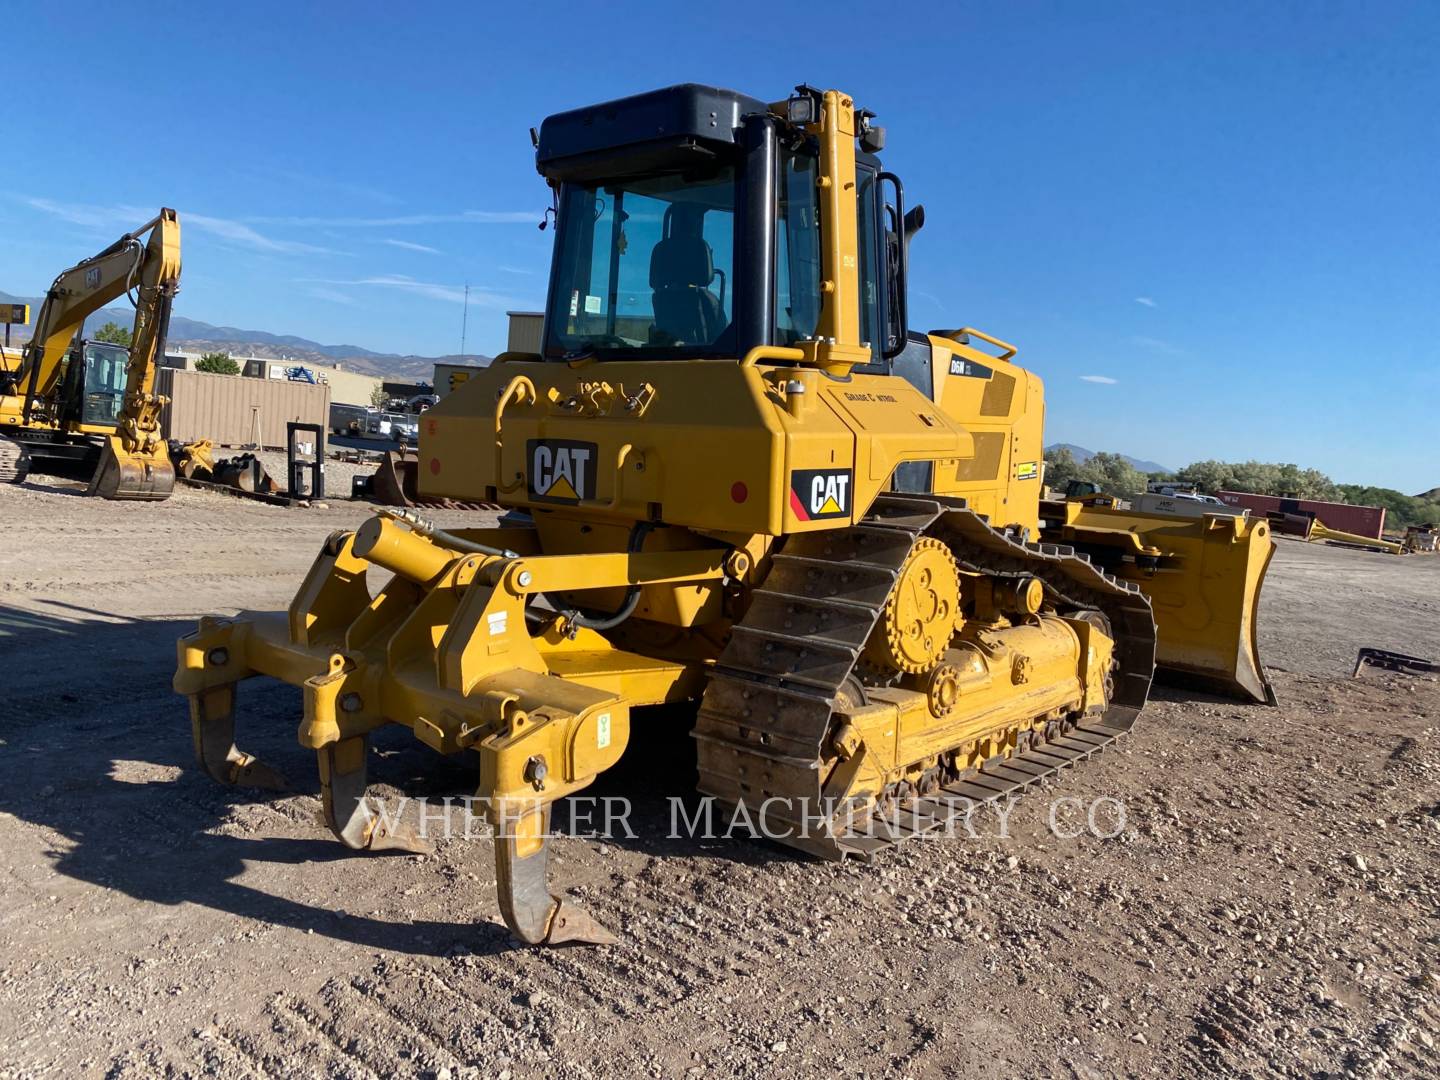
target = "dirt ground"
x: 1269, y: 908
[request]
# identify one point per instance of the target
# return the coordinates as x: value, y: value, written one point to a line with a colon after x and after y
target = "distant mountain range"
x: 195, y: 336
x: 1081, y: 455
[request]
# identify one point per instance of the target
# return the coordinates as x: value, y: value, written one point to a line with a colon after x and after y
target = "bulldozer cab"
x: 690, y: 227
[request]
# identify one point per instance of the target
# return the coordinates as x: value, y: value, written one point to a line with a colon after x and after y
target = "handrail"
x: 516, y: 389
x: 771, y: 352
x: 1007, y: 350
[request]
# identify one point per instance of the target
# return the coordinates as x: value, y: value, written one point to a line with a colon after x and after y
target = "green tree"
x: 1060, y: 468
x: 378, y: 397
x: 114, y: 334
x: 1110, y: 472
x: 1208, y: 476
x: 1115, y: 475
x: 217, y: 363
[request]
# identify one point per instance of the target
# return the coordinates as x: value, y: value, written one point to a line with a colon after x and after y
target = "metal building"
x: 525, y: 328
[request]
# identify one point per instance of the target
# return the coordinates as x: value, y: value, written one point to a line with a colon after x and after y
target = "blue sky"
x: 1228, y: 210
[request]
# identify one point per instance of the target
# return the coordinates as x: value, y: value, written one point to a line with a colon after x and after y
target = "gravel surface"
x: 1269, y: 906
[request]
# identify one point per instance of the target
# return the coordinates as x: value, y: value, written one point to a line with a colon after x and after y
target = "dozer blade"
x: 1203, y: 576
x: 123, y: 474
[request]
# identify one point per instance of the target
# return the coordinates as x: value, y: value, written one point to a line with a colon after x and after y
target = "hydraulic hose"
x: 575, y: 617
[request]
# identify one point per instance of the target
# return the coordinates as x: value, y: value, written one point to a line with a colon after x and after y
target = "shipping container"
x: 1343, y: 517
x: 231, y: 410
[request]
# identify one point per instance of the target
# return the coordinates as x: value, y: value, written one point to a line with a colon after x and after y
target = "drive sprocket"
x: 920, y: 614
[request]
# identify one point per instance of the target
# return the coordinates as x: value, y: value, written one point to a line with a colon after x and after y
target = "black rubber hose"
x: 632, y: 595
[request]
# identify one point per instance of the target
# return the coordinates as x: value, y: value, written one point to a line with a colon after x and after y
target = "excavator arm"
x: 135, y: 463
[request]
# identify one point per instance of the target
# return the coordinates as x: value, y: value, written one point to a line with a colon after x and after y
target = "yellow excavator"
x: 77, y: 407
x: 738, y: 483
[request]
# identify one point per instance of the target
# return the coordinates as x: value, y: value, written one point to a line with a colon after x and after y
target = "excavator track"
x: 14, y: 465
x: 767, y: 711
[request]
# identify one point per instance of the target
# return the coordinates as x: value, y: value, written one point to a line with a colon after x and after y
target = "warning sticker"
x: 1027, y: 470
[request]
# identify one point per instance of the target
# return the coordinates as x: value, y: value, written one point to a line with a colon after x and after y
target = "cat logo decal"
x: 816, y: 494
x: 561, y: 470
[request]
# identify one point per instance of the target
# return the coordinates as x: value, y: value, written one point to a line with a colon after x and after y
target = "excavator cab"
x: 93, y: 386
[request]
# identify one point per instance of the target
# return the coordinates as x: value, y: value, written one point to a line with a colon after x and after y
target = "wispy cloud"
x: 472, y: 217
x: 1105, y: 380
x: 409, y: 245
x: 239, y: 233
x: 454, y: 294
x: 1146, y: 301
x: 1156, y: 345
x: 81, y: 214
x: 131, y: 217
x: 513, y: 270
x: 334, y: 296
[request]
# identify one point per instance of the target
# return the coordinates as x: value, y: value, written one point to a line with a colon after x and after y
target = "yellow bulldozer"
x: 74, y: 407
x: 738, y: 483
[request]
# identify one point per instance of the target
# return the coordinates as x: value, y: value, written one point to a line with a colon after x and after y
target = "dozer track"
x: 767, y: 711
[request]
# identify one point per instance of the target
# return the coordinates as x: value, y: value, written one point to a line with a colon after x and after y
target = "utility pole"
x: 465, y: 320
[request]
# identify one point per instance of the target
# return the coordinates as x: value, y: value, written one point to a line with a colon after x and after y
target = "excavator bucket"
x: 394, y: 483
x: 140, y: 475
x: 1203, y: 575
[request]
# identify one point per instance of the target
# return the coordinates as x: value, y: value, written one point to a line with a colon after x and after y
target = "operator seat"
x: 686, y: 311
